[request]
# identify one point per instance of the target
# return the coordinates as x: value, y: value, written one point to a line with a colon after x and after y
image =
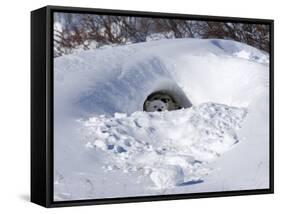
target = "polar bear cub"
x: 160, y: 102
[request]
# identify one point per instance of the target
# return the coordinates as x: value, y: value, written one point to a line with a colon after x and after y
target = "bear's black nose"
x: 159, y: 109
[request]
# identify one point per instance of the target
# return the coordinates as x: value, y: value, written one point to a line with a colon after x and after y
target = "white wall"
x: 15, y: 105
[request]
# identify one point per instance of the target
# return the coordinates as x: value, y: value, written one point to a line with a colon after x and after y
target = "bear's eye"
x: 154, y: 106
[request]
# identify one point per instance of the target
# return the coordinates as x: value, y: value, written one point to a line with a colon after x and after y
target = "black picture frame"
x: 42, y: 107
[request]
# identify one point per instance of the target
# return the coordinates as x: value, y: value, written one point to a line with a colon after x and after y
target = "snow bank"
x: 119, y: 79
x: 166, y: 144
x: 101, y: 133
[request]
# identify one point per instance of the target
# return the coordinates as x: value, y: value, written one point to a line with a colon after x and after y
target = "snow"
x: 141, y: 141
x: 106, y: 146
x: 167, y: 176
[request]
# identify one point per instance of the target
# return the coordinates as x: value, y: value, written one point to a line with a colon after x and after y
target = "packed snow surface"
x: 105, y: 146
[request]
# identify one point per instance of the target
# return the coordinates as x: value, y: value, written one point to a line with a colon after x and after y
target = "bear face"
x: 156, y: 105
x: 160, y: 102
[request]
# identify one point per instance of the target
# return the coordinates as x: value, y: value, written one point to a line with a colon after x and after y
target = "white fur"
x: 156, y: 103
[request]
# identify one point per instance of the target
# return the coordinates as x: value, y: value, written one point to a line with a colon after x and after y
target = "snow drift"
x: 140, y: 142
x: 101, y: 131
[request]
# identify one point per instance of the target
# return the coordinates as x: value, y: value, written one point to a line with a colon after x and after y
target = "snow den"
x: 166, y: 101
